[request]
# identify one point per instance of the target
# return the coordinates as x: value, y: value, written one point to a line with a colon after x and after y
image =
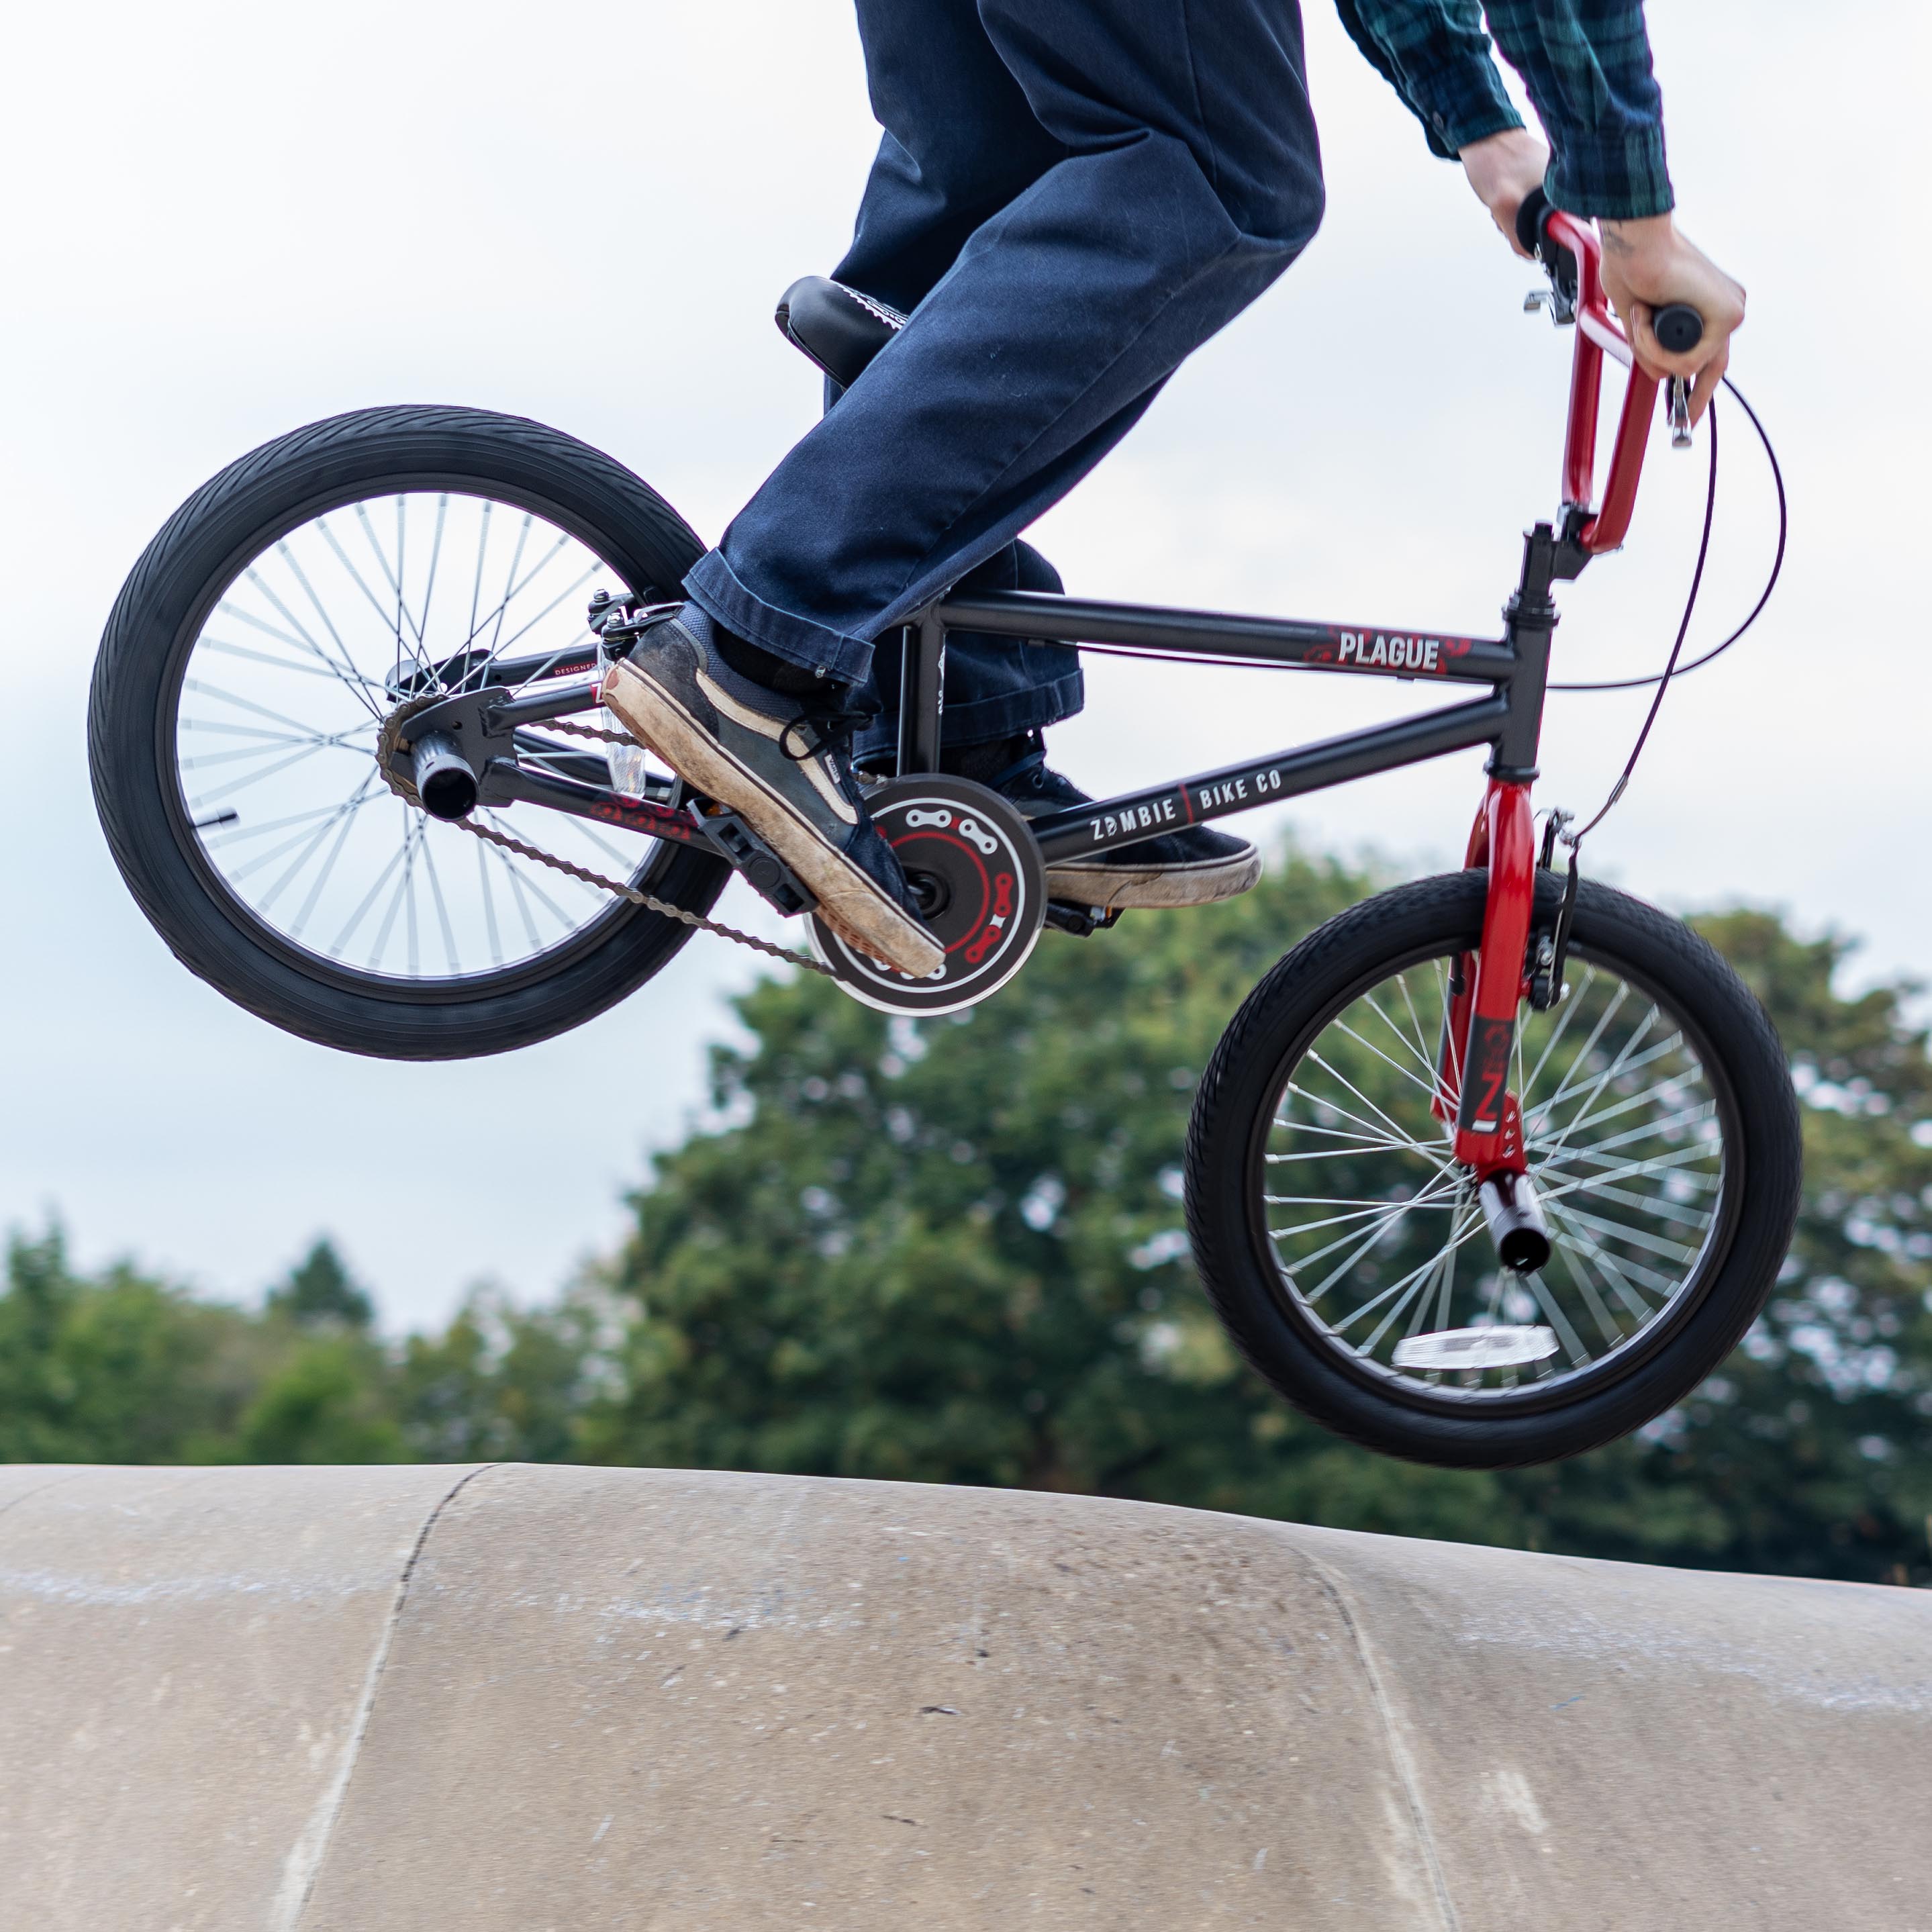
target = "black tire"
x: 1755, y: 1203
x: 186, y: 571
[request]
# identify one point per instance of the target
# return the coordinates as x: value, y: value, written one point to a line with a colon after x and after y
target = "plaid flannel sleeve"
x: 1586, y: 63
x: 1434, y: 54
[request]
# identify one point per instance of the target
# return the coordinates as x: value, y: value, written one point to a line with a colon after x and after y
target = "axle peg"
x: 444, y: 779
x: 1516, y: 1222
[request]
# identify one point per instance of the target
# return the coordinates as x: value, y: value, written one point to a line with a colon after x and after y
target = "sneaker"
x: 1195, y: 866
x: 778, y: 763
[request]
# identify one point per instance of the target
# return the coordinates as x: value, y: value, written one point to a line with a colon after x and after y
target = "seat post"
x: 921, y: 693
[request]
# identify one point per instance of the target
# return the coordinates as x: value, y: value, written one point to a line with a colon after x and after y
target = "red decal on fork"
x: 1505, y: 836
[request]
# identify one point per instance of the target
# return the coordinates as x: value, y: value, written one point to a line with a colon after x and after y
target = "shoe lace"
x: 817, y: 731
x: 1033, y: 766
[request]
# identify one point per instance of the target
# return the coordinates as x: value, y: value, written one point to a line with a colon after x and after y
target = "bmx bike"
x: 1490, y: 1169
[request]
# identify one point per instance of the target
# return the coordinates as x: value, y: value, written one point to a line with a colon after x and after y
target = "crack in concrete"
x: 1406, y: 1771
x: 41, y: 1489
x: 303, y: 1866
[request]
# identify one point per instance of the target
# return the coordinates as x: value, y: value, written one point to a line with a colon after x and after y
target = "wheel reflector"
x: 1497, y: 1347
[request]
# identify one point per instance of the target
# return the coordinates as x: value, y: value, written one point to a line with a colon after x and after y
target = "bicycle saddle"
x: 839, y: 328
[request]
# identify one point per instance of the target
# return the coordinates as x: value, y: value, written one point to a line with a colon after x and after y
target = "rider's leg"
x: 959, y: 143
x: 939, y: 174
x: 1188, y: 181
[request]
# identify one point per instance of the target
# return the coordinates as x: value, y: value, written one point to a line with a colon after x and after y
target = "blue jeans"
x: 1070, y: 197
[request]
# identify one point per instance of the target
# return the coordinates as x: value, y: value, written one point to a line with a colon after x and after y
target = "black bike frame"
x: 1509, y: 719
x: 1514, y: 668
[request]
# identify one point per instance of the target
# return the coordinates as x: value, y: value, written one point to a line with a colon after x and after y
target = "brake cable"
x: 1770, y: 582
x: 1548, y: 984
x: 1662, y: 681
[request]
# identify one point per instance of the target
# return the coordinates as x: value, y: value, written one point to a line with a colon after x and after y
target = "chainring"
x: 969, y: 854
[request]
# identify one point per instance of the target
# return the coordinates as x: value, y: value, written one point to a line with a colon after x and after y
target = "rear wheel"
x: 288, y: 609
x: 1336, y: 1234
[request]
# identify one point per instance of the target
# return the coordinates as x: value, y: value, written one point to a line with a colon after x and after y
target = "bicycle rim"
x: 1378, y: 1239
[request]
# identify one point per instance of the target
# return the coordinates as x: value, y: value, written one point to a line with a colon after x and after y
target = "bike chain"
x: 385, y: 746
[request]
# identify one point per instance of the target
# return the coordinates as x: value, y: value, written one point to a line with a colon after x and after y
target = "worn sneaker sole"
x: 1121, y: 888
x: 848, y: 900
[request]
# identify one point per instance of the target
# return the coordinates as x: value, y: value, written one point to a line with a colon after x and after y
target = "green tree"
x: 116, y: 1367
x: 320, y: 1293
x: 328, y: 1400
x: 507, y: 1384
x: 121, y: 1367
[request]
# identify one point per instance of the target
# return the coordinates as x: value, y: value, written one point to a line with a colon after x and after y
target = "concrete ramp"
x: 510, y: 1699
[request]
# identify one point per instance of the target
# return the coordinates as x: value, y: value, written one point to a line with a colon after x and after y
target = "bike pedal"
x: 1083, y: 921
x: 767, y: 874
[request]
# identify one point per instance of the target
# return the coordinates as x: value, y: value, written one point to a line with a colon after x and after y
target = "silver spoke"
x: 1370, y: 1140
x: 1428, y: 1087
x: 1592, y: 1301
x: 391, y: 577
x: 1423, y: 1056
x: 359, y: 687
x: 1570, y: 1007
x: 1387, y: 1211
x: 343, y: 664
x: 1369, y: 1307
x: 1572, y: 1343
x: 441, y: 909
x: 220, y: 792
x: 489, y: 897
x: 1394, y: 1125
x: 1655, y: 1244
x: 497, y: 650
x: 392, y: 628
x: 320, y: 883
x: 1597, y: 1086
x: 1344, y: 1153
x: 307, y: 732
x: 421, y: 622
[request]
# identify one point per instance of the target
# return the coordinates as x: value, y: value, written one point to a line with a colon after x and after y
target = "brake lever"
x: 1680, y: 413
x: 1562, y: 309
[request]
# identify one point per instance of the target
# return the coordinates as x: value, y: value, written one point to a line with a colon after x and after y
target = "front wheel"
x: 1335, y: 1232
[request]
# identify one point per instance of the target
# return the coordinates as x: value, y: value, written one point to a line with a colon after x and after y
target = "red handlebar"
x: 1598, y: 333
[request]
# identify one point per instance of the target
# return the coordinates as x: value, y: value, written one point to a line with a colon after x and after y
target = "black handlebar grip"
x: 1679, y: 328
x: 1532, y: 230
x: 1529, y: 213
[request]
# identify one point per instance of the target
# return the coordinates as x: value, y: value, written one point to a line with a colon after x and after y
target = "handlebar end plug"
x: 1678, y: 329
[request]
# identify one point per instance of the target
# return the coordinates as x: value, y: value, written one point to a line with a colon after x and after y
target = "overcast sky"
x: 228, y: 220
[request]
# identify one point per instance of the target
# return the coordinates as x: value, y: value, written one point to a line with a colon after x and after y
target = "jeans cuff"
x: 986, y: 719
x: 715, y: 588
